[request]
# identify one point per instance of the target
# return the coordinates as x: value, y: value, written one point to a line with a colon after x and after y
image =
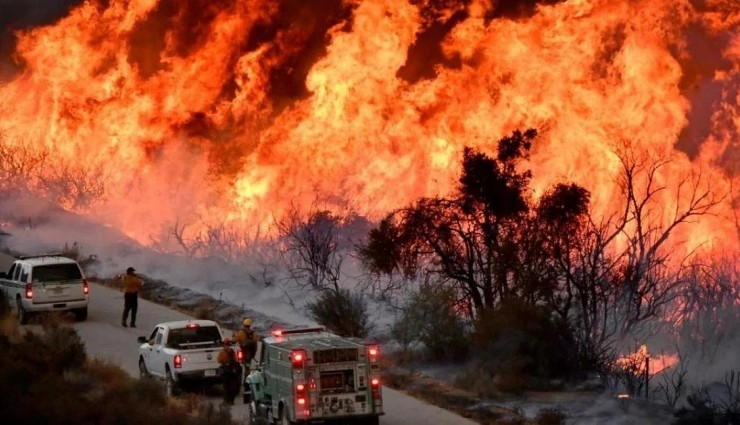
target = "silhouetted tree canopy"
x: 486, y: 239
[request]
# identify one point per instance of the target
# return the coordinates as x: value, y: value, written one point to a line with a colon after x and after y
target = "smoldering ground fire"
x: 232, y: 111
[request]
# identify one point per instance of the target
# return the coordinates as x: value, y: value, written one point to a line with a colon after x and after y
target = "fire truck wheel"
x: 253, y: 420
x: 285, y: 420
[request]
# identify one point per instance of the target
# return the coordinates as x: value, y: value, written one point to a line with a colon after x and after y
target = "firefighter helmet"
x: 247, y: 322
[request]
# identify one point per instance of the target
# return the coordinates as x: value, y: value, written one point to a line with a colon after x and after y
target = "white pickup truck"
x: 43, y: 283
x: 182, y: 352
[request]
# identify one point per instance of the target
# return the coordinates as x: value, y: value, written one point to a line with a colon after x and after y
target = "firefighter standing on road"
x: 230, y: 372
x: 131, y: 283
x: 247, y: 339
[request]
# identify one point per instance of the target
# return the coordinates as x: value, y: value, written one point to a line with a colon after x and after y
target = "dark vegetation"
x: 342, y: 312
x: 46, y: 378
x: 545, y: 290
x: 717, y: 409
x: 537, y: 293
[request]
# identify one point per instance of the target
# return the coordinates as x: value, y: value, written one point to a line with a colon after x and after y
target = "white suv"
x: 45, y: 283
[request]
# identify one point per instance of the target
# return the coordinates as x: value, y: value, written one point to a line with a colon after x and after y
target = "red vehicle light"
x: 298, y: 358
x: 277, y: 332
x: 373, y: 352
x: 300, y: 394
x: 192, y: 325
x: 29, y: 291
x: 178, y: 361
x: 375, y: 389
x: 240, y: 356
x: 85, y: 287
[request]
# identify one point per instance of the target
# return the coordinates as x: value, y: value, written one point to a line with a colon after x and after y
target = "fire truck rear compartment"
x: 337, y: 382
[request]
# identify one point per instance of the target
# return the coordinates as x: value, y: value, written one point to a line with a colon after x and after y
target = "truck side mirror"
x: 141, y: 339
x: 3, y: 275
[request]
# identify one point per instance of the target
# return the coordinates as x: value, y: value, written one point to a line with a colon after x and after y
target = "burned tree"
x: 310, y: 246
x: 618, y: 274
x: 313, y: 247
x: 482, y: 240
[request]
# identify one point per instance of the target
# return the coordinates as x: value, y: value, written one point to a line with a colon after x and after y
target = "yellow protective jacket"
x: 130, y: 283
x: 243, y: 337
x: 226, y: 356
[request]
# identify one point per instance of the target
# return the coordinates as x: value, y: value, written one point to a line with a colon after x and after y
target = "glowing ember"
x: 231, y: 111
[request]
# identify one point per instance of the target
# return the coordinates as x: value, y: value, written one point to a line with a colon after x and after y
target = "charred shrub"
x: 58, y: 349
x: 717, y: 403
x: 44, y: 379
x: 4, y: 306
x: 522, y: 344
x: 550, y: 417
x: 205, y: 310
x: 432, y: 316
x: 342, y: 312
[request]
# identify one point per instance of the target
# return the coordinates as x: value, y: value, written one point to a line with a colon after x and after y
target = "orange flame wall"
x: 233, y: 110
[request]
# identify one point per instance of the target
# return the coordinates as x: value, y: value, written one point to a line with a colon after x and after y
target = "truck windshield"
x: 56, y: 272
x: 199, y: 336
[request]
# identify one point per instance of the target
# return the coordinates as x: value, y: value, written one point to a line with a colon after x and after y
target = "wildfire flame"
x: 637, y: 361
x: 231, y: 111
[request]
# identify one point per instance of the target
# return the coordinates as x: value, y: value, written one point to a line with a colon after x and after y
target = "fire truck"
x: 313, y: 376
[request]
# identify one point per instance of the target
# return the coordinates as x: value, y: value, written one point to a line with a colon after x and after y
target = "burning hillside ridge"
x: 232, y: 111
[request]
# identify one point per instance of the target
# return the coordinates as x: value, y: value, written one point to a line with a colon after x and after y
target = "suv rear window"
x: 56, y: 272
x: 197, y: 336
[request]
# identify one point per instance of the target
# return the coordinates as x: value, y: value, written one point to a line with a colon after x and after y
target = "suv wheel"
x: 81, y: 314
x: 22, y: 313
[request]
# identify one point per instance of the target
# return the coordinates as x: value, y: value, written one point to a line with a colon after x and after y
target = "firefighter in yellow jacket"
x: 131, y: 283
x: 247, y: 339
x: 230, y: 372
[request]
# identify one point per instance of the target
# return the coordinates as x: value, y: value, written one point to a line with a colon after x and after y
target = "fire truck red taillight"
x: 300, y: 394
x: 375, y: 389
x: 298, y: 359
x: 373, y: 352
x: 85, y: 287
x: 29, y: 291
x: 178, y: 361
